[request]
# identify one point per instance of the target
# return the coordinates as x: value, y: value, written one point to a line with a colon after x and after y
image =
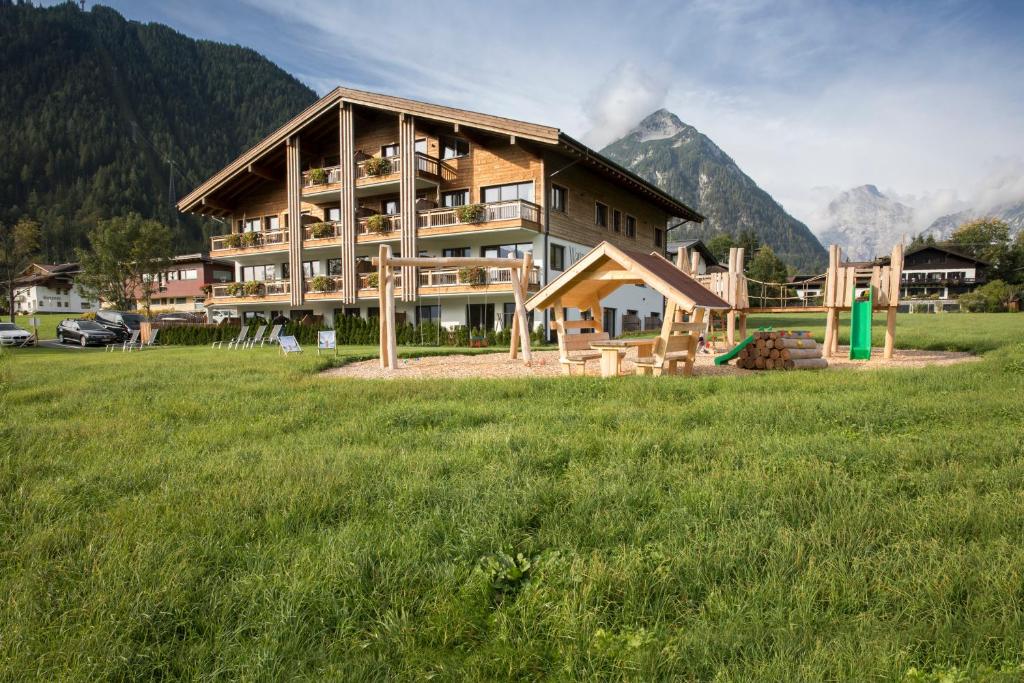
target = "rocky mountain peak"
x: 660, y: 125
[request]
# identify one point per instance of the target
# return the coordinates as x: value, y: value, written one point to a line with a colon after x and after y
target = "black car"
x: 122, y: 324
x: 84, y: 332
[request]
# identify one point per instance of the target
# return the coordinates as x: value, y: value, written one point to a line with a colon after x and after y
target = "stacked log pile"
x: 781, y: 351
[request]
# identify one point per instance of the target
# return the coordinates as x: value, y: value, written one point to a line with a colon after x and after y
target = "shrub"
x: 378, y: 223
x: 233, y: 240
x: 233, y: 289
x: 377, y: 166
x: 473, y: 275
x: 321, y: 283
x: 207, y: 290
x: 317, y: 176
x: 989, y: 298
x: 250, y: 239
x: 470, y: 213
x: 373, y: 280
x: 253, y: 288
x: 321, y: 230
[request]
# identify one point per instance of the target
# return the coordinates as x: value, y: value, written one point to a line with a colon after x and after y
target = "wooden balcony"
x: 251, y: 292
x: 249, y: 243
x: 493, y: 216
x: 375, y: 176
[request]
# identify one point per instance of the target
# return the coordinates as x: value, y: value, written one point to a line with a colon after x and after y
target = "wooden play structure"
x: 599, y: 273
x: 388, y: 265
x: 830, y: 292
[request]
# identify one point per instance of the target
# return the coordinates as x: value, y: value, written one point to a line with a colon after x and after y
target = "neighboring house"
x: 808, y: 287
x: 426, y: 180
x: 706, y: 262
x: 939, y: 272
x: 50, y: 288
x: 184, y: 286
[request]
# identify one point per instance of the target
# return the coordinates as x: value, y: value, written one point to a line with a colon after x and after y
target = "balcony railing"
x: 455, y: 277
x: 329, y: 284
x: 245, y: 289
x: 249, y: 240
x: 369, y: 280
x: 954, y: 281
x: 332, y: 174
x: 323, y: 231
x: 495, y: 211
x: 391, y: 223
x: 393, y: 167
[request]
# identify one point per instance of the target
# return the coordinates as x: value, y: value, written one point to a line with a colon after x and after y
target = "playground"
x: 545, y: 364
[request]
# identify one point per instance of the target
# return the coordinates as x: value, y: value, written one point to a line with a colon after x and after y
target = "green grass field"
x: 188, y: 513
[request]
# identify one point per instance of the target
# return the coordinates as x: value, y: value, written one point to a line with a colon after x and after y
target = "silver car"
x: 12, y: 335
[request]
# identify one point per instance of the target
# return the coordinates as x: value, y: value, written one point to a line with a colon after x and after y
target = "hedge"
x: 351, y: 331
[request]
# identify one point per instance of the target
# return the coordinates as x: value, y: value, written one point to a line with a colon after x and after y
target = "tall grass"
x: 193, y: 513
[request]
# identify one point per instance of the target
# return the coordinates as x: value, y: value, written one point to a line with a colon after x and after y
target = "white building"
x: 50, y: 288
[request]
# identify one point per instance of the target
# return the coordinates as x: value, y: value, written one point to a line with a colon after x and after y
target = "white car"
x: 12, y: 335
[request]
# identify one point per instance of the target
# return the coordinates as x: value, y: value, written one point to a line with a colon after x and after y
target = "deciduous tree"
x: 18, y: 244
x: 125, y: 255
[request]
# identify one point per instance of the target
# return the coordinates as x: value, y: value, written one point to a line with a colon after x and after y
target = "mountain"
x: 866, y: 223
x: 687, y: 164
x: 1011, y: 212
x: 96, y: 111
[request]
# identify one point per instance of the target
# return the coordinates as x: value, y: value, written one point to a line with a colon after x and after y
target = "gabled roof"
x: 543, y: 135
x: 39, y: 273
x: 606, y: 267
x: 946, y: 249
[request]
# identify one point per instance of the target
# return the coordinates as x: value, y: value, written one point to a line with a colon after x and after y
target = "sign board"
x: 326, y: 340
x: 289, y: 344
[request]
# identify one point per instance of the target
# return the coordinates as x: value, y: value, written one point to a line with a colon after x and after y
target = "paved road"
x: 54, y: 344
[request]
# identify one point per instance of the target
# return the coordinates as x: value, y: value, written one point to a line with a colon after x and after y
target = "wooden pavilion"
x: 599, y: 273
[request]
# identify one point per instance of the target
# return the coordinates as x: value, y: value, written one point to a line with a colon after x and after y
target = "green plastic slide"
x: 734, y: 351
x: 860, y: 327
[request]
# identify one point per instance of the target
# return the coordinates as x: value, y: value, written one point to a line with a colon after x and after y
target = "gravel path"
x: 545, y: 364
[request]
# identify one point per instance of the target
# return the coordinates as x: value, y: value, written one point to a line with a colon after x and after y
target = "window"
x: 559, y: 197
x: 428, y: 314
x: 179, y: 300
x: 506, y: 250
x: 222, y: 276
x: 351, y: 312
x: 273, y: 222
x: 251, y: 225
x: 630, y: 227
x: 373, y: 312
x: 557, y: 257
x: 391, y: 207
x: 310, y: 268
x: 480, y: 316
x: 455, y: 198
x: 333, y: 214
x: 455, y: 252
x: 452, y: 147
x: 334, y: 266
x: 658, y: 237
x: 389, y: 150
x: 616, y: 221
x: 191, y: 274
x: 601, y: 214
x: 421, y: 146
x: 261, y: 273
x: 504, y: 193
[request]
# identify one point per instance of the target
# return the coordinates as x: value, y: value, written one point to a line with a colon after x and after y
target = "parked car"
x: 12, y: 335
x: 85, y: 332
x: 120, y: 323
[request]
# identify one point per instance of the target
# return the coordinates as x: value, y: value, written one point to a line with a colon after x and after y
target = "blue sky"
x: 923, y: 99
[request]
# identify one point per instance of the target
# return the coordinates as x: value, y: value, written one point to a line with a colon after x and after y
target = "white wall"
x: 39, y: 299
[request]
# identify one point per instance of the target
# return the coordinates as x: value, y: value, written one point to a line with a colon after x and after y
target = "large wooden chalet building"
x: 305, y: 210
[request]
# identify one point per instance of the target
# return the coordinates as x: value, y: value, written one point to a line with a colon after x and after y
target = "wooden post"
x: 382, y: 304
x: 563, y: 353
x: 683, y: 260
x: 695, y: 263
x: 518, y: 293
x: 830, y: 295
x: 895, y: 277
x: 524, y: 277
x: 389, y: 295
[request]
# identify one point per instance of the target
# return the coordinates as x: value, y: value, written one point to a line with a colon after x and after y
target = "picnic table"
x: 611, y: 353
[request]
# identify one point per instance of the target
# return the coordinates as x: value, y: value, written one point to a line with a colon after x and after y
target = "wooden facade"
x: 357, y: 170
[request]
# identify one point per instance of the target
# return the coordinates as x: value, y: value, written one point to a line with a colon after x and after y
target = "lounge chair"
x: 127, y: 344
x: 275, y: 335
x: 241, y: 336
x: 256, y: 338
x: 151, y: 342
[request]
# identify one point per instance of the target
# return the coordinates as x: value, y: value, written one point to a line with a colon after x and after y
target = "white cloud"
x: 625, y: 96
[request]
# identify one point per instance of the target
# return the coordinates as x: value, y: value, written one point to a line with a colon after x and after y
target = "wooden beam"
x: 215, y: 205
x: 451, y: 262
x: 262, y: 172
x: 616, y: 275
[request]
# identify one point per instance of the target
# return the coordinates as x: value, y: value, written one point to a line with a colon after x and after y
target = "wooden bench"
x: 576, y: 350
x: 679, y: 345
